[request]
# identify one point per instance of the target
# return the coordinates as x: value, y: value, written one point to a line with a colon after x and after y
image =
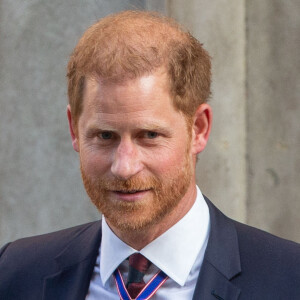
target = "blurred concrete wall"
x: 273, y: 114
x: 251, y: 165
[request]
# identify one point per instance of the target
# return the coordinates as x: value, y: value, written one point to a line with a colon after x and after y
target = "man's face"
x: 134, y: 147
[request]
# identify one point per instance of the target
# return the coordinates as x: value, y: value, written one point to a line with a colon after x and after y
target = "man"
x: 138, y: 117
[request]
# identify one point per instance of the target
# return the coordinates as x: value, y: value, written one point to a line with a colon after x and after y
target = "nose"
x: 126, y: 161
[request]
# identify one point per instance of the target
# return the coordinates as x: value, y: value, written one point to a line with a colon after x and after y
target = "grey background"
x: 251, y: 166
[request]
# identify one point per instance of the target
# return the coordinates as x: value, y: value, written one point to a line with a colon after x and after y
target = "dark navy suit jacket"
x: 240, y: 262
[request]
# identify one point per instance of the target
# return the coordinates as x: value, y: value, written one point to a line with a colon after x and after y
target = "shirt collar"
x: 185, y: 239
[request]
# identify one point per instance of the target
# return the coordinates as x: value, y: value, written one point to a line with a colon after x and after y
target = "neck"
x: 138, y: 239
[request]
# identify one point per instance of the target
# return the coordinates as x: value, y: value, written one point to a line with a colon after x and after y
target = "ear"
x: 72, y: 128
x: 201, y: 128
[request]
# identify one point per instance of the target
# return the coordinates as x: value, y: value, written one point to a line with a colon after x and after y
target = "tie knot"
x: 136, y: 287
x: 139, y: 262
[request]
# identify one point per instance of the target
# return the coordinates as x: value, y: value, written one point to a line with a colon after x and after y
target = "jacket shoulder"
x: 47, y: 243
x: 25, y: 262
x: 256, y: 242
x: 268, y: 263
x: 259, y: 264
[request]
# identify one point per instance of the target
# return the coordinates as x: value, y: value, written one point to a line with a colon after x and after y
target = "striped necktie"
x: 138, y: 266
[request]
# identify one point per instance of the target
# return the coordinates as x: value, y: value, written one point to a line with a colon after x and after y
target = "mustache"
x: 134, y: 183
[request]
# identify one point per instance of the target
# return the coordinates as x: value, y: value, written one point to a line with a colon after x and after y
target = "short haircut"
x: 131, y: 44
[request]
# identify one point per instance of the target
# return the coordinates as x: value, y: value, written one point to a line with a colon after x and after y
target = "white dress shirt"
x: 178, y: 252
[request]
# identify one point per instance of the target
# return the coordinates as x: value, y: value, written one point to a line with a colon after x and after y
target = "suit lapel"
x: 221, y: 261
x: 75, y: 265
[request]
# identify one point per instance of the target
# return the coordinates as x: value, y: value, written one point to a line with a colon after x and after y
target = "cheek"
x: 166, y: 160
x: 93, y: 162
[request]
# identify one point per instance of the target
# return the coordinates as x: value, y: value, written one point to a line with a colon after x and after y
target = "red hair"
x: 131, y: 44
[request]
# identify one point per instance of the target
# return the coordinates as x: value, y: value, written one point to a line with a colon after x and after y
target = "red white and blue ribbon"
x: 147, y: 292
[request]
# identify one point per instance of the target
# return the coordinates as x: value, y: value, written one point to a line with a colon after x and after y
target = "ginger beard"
x: 165, y: 194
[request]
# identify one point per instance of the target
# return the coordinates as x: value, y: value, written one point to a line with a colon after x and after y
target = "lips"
x: 130, y: 195
x: 128, y: 192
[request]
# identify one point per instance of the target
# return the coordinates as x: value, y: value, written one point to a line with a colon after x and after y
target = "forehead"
x: 129, y: 95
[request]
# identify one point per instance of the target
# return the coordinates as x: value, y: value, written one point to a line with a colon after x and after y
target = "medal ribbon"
x: 147, y: 292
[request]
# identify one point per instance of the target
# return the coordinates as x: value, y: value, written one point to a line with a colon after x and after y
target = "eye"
x: 105, y: 135
x: 151, y: 134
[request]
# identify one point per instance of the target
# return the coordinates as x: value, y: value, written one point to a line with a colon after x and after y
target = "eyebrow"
x: 154, y: 127
x: 91, y: 128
